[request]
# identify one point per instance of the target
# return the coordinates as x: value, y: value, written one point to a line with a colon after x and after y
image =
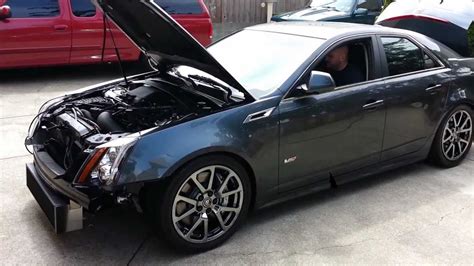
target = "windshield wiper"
x: 330, y: 7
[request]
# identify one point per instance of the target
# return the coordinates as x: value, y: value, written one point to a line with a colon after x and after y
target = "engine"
x: 69, y: 130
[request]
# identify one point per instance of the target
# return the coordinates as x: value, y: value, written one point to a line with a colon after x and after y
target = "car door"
x: 416, y: 88
x: 332, y: 132
x: 87, y: 32
x: 37, y: 34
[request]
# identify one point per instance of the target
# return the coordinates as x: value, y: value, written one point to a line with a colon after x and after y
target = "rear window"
x: 33, y: 8
x: 180, y: 7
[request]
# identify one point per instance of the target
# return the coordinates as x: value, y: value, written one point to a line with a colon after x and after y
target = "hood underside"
x: 162, y: 39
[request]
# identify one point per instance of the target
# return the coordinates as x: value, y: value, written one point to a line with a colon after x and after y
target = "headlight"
x: 105, y: 161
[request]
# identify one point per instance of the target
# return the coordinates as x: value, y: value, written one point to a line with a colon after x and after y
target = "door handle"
x: 60, y: 27
x: 433, y: 88
x: 371, y: 105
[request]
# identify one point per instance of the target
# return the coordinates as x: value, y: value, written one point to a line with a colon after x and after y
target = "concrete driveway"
x: 419, y: 214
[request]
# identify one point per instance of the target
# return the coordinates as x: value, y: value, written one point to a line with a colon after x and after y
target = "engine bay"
x: 69, y: 130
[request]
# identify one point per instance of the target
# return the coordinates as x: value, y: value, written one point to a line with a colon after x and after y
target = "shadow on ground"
x: 109, y: 234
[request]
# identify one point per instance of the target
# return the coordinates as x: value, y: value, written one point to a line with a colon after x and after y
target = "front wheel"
x: 205, y: 203
x: 454, y: 137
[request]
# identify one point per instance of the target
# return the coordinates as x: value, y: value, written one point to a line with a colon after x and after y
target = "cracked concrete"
x: 418, y: 214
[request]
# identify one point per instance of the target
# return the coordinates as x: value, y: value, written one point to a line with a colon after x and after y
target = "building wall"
x: 247, y: 11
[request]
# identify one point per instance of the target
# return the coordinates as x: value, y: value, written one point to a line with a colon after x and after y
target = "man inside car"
x: 343, y: 72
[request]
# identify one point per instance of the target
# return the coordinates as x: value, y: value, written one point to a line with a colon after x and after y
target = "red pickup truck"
x: 37, y: 33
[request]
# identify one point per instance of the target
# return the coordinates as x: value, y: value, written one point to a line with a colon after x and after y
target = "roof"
x: 321, y: 30
x: 458, y: 12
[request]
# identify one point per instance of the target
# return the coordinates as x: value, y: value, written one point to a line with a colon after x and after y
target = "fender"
x: 462, y: 91
x: 157, y: 155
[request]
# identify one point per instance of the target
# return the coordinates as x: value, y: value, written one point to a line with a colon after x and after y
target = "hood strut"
x: 106, y: 20
x: 164, y: 41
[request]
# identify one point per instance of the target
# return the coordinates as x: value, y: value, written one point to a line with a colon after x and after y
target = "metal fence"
x: 248, y: 11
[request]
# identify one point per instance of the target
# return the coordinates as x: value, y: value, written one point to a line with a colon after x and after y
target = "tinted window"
x: 180, y: 6
x: 82, y: 8
x: 403, y: 56
x: 371, y: 5
x: 33, y: 8
x: 429, y: 62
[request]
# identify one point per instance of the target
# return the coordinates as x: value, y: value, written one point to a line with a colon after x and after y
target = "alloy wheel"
x: 207, y: 204
x: 457, y: 135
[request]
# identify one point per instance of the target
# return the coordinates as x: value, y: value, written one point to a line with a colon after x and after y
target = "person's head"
x: 337, y: 59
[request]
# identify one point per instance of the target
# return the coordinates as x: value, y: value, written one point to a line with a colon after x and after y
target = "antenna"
x: 116, y: 50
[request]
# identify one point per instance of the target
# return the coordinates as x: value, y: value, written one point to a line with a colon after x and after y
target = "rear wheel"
x: 204, y: 204
x: 454, y: 137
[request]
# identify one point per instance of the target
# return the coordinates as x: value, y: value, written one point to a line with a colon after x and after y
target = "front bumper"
x: 52, y: 174
x: 63, y: 214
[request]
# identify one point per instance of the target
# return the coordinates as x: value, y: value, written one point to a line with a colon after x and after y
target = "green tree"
x: 470, y: 36
x: 387, y: 2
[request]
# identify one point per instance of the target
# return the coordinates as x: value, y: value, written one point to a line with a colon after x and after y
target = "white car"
x: 444, y: 20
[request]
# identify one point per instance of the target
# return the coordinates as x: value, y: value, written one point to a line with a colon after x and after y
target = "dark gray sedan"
x: 267, y: 113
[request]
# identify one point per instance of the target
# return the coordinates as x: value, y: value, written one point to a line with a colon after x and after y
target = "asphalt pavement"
x: 418, y: 214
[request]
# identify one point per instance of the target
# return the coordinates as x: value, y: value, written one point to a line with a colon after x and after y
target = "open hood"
x: 162, y: 39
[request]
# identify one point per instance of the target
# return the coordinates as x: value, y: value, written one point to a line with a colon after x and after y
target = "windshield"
x: 339, y: 5
x: 262, y: 61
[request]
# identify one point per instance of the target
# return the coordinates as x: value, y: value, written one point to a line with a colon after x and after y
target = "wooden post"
x: 270, y: 9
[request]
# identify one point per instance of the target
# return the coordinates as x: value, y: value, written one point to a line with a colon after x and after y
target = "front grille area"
x: 53, y: 204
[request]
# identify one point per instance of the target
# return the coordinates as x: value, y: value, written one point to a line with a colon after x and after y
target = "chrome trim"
x: 417, y: 43
x: 433, y: 88
x: 441, y: 69
x: 258, y: 115
x: 369, y: 35
x: 372, y: 105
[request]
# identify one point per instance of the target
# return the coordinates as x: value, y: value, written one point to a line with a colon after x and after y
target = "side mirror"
x: 5, y: 12
x: 361, y: 12
x: 319, y: 82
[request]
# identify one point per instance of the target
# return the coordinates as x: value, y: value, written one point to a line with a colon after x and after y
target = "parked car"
x: 66, y: 32
x: 354, y: 11
x: 203, y: 140
x: 446, y: 21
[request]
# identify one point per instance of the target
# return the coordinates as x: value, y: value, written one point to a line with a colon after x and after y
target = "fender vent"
x: 259, y: 115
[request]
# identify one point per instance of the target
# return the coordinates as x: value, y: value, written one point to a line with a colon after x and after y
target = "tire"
x: 453, y: 139
x: 182, y: 223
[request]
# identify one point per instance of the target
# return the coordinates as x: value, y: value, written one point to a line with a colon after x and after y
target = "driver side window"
x: 347, y: 63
